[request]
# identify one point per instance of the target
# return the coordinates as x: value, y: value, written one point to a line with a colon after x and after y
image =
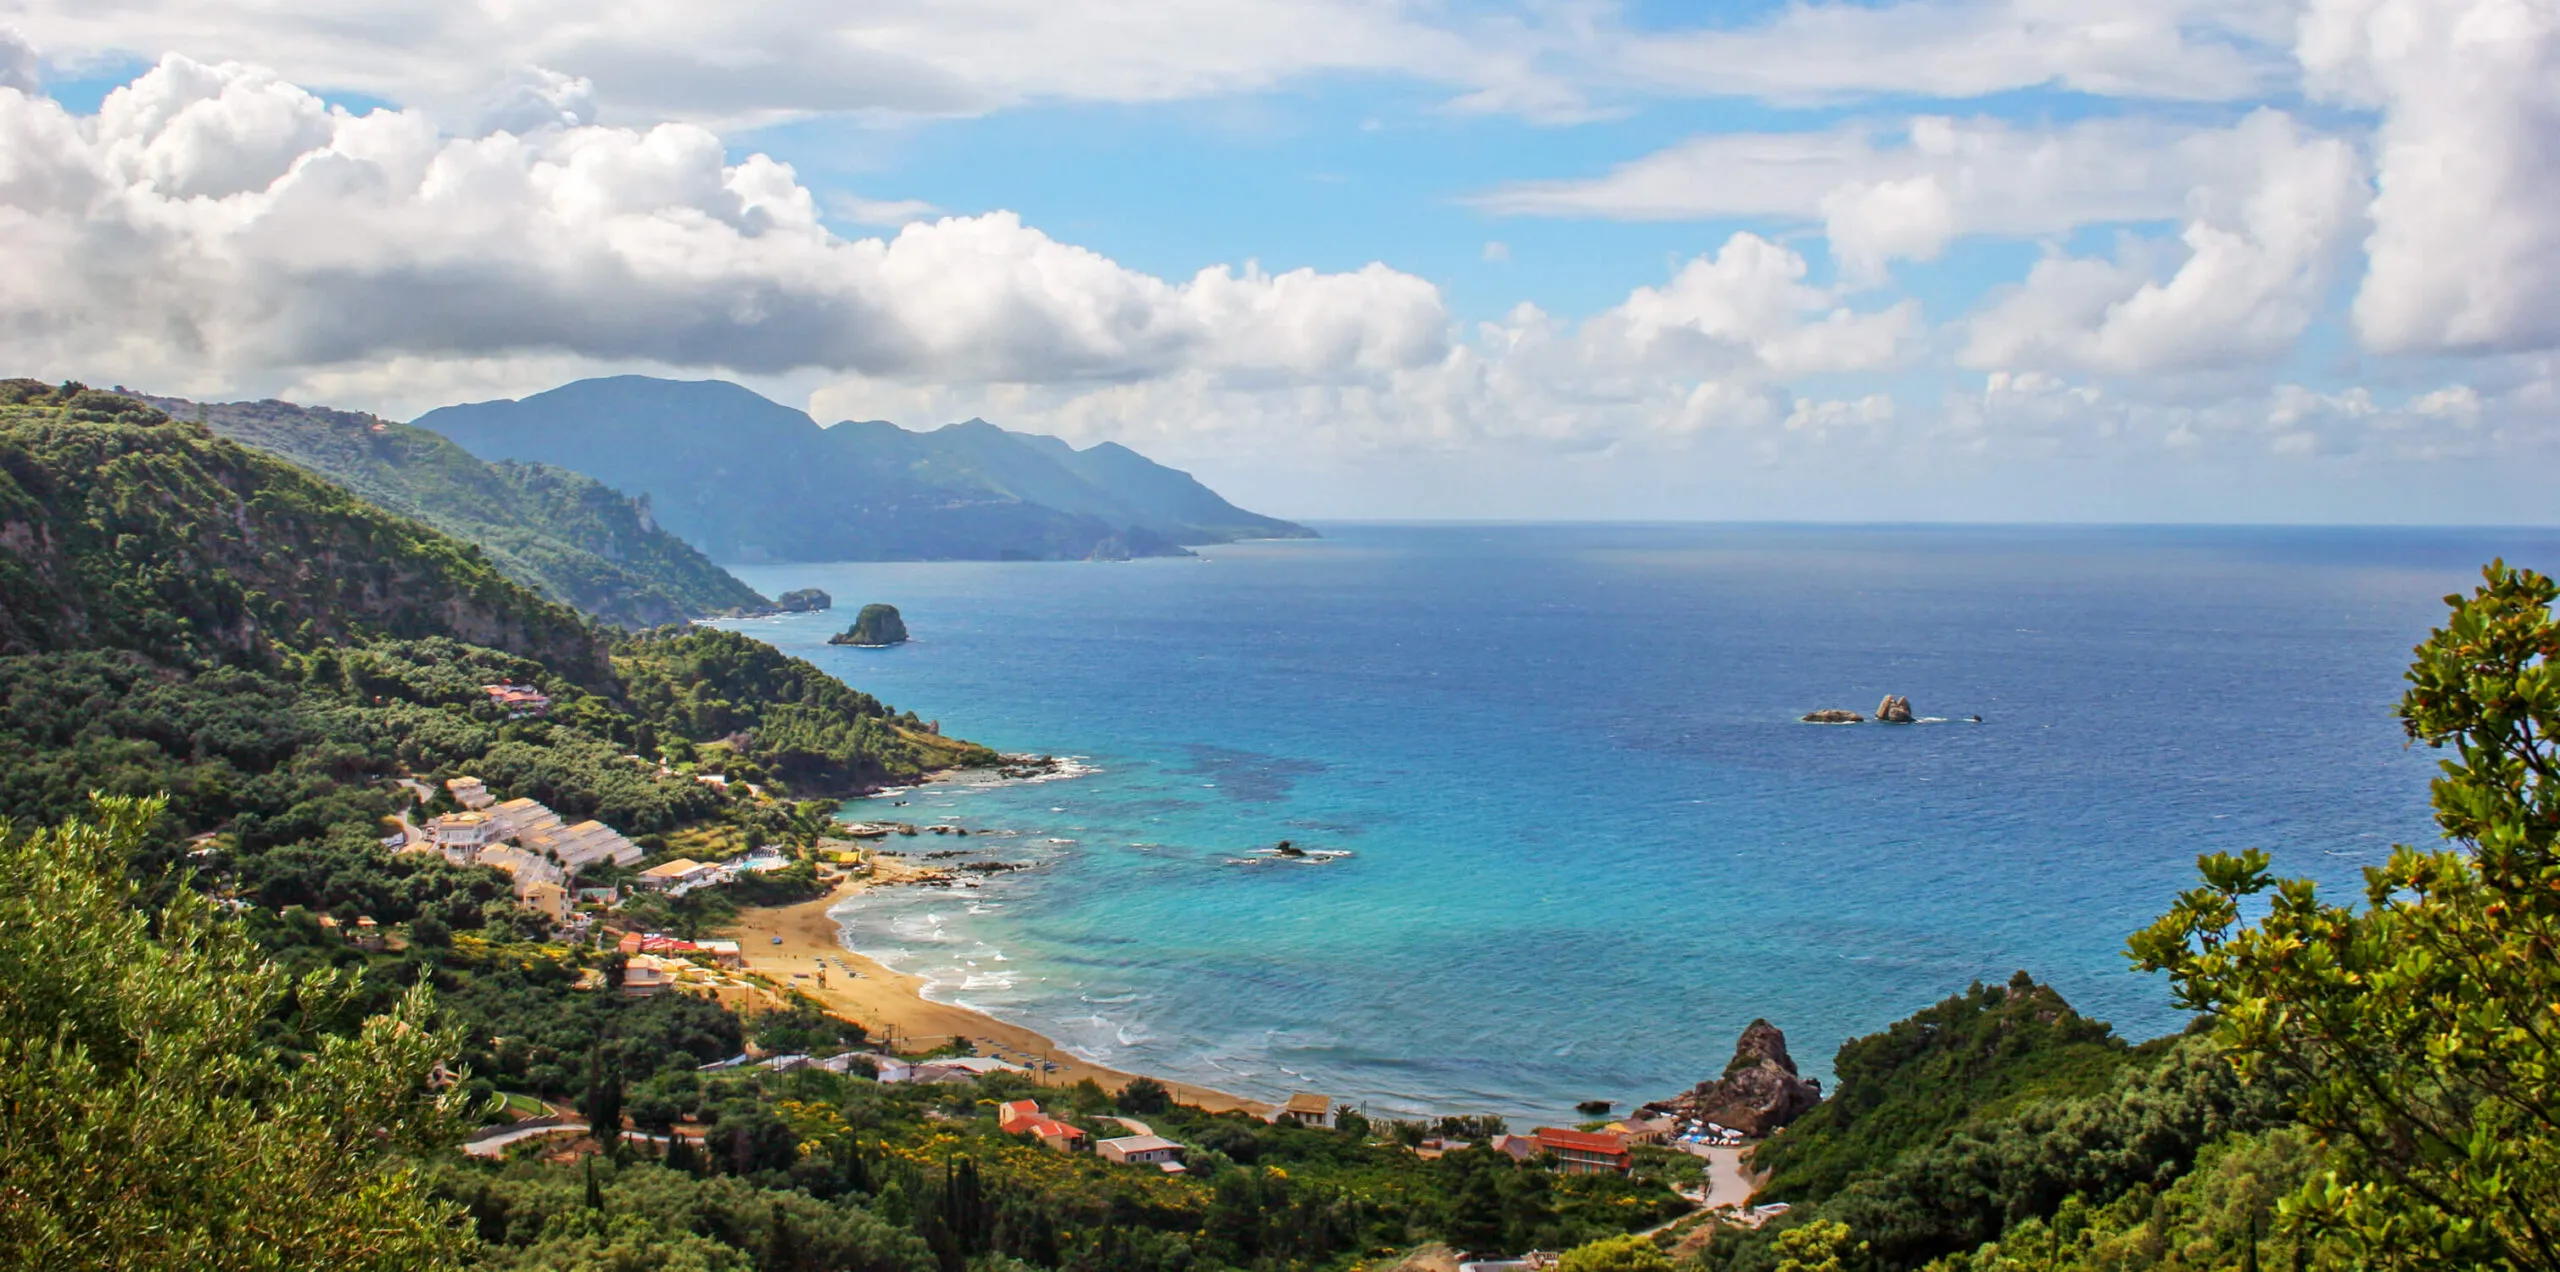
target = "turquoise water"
x: 1589, y: 841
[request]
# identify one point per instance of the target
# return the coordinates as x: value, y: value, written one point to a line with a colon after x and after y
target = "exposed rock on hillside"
x: 1760, y: 1090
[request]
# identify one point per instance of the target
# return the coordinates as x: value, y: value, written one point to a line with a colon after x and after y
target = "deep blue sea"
x: 1589, y: 840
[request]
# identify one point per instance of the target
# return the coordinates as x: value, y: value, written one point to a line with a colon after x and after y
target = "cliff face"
x: 122, y: 528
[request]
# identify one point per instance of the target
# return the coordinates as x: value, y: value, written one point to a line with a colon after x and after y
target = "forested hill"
x: 122, y: 528
x: 181, y: 614
x: 563, y: 533
x: 748, y: 479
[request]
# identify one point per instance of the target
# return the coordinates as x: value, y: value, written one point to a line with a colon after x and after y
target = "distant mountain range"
x: 563, y: 533
x: 747, y: 479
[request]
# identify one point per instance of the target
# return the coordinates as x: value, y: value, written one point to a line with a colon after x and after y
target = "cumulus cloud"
x: 2257, y: 266
x: 216, y: 216
x: 2465, y: 254
x: 216, y: 224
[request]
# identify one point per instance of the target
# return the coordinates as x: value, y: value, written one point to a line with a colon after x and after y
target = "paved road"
x: 496, y: 1144
x: 1728, y: 1184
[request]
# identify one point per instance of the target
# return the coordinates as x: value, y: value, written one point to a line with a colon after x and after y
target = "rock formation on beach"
x: 1895, y: 709
x: 1760, y: 1090
x: 877, y: 625
x: 1833, y: 715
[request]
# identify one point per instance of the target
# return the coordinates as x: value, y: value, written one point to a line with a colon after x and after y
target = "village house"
x: 470, y: 792
x: 519, y: 700
x: 647, y: 975
x: 1586, y: 1152
x: 366, y: 935
x: 1305, y: 1109
x: 676, y: 877
x: 1519, y: 1148
x: 1641, y: 1131
x: 549, y: 900
x: 1023, y: 1117
x: 1143, y: 1150
x: 961, y: 1069
x: 461, y: 837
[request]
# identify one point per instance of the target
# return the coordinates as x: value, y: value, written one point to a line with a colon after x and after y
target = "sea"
x: 1565, y: 834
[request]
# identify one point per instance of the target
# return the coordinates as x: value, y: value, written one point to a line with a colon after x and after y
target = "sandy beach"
x: 892, y: 1004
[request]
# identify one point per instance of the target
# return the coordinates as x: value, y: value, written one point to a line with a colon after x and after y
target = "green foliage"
x: 2417, y: 1034
x: 536, y: 1218
x: 2222, y: 1217
x: 2014, y: 1157
x: 561, y: 533
x: 1813, y: 1247
x: 1628, y: 1253
x: 146, y: 1118
x: 791, y: 719
x: 1970, y: 1057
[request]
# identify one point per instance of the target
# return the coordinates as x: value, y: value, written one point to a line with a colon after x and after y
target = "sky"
x: 1943, y: 260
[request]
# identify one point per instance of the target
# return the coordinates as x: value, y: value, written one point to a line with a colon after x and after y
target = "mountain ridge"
x: 748, y: 479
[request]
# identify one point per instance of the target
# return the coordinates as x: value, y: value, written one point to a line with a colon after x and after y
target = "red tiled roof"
x: 1557, y: 1139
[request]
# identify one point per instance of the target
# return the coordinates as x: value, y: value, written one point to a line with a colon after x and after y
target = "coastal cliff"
x: 1760, y: 1091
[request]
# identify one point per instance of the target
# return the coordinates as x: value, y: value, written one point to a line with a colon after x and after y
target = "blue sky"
x: 1974, y: 259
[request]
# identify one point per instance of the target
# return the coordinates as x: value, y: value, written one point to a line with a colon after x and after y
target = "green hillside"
x: 748, y: 479
x: 125, y: 529
x: 180, y: 614
x: 565, y: 534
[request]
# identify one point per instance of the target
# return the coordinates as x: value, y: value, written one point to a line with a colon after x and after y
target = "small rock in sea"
x: 1288, y: 849
x: 1833, y: 715
x: 1895, y: 709
x: 876, y: 626
x: 1595, y: 1108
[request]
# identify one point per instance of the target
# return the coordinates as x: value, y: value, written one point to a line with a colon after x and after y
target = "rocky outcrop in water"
x: 1833, y: 715
x: 1895, y: 709
x: 875, y: 626
x: 1759, y: 1092
x: 807, y: 600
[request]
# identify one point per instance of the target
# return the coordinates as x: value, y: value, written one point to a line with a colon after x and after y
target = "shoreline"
x: 891, y: 1004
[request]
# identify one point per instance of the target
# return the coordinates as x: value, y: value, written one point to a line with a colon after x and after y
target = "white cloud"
x: 2257, y: 268
x: 1905, y: 191
x: 1497, y: 252
x: 1710, y: 353
x: 2465, y: 253
x: 535, y: 97
x: 215, y: 225
x: 884, y: 213
x: 2202, y: 50
x: 217, y: 218
x: 756, y: 60
x: 18, y: 62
